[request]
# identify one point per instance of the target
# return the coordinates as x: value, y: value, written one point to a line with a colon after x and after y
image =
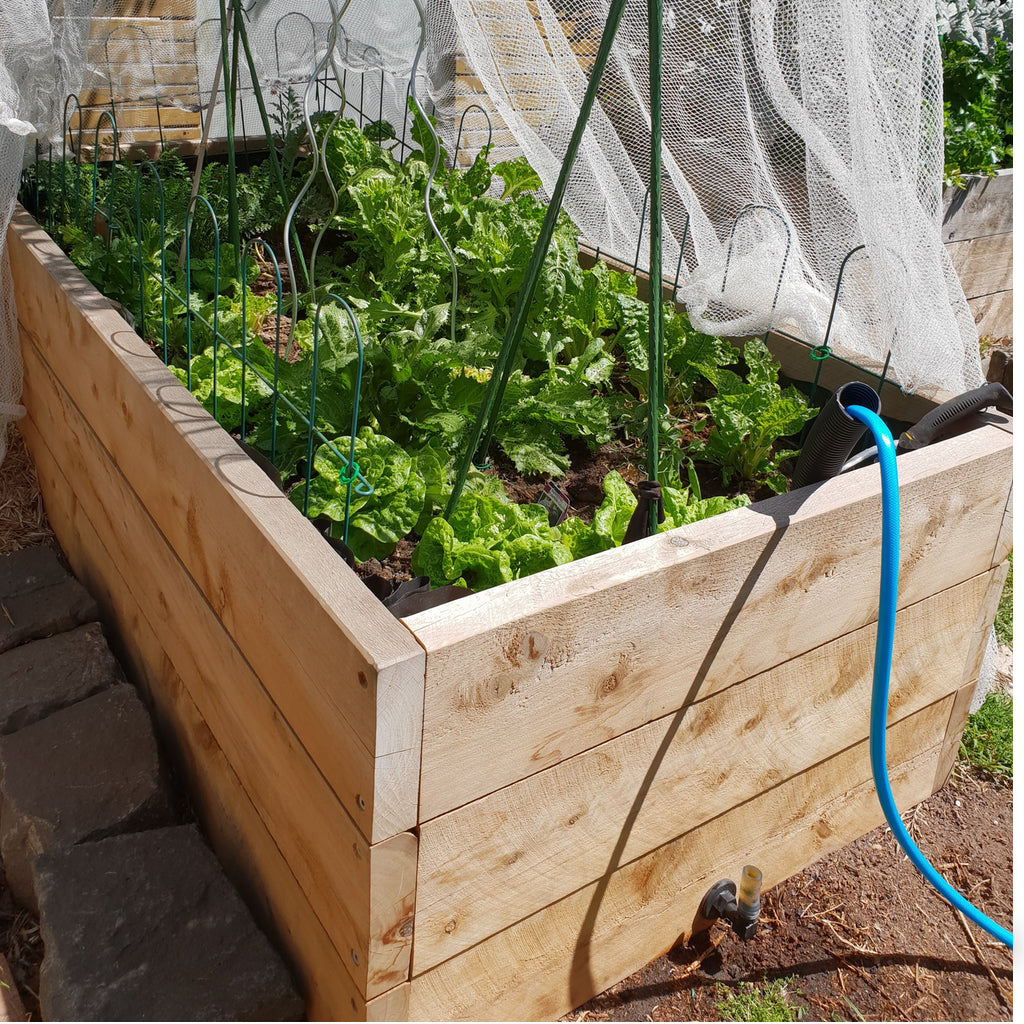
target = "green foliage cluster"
x: 768, y: 1001
x: 987, y: 742
x: 977, y: 109
x: 581, y: 375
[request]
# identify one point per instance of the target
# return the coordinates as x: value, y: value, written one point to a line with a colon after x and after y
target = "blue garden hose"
x: 883, y: 667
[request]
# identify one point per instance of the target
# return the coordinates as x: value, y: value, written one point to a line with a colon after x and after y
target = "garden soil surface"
x: 859, y: 933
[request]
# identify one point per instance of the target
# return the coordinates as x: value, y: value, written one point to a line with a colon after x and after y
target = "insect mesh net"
x: 802, y: 138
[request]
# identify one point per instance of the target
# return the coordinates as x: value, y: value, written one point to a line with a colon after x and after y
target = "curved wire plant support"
x: 318, y: 163
x: 149, y: 165
x: 77, y: 150
x: 350, y: 474
x: 752, y: 210
x: 270, y: 256
x: 462, y: 120
x: 189, y: 219
x: 434, y: 163
x: 140, y: 32
x: 277, y: 45
x: 109, y: 215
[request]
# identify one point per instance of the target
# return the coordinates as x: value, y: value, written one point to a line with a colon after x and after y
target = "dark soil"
x: 860, y: 933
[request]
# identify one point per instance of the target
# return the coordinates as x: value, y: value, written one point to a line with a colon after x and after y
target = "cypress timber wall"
x: 497, y: 808
x: 977, y: 229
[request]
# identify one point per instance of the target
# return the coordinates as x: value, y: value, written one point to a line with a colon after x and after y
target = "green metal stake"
x: 229, y: 114
x: 655, y: 334
x: 495, y: 392
x: 275, y: 163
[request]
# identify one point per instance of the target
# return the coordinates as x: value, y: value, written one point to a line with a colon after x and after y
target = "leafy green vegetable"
x: 749, y: 416
x: 378, y: 521
x: 977, y: 109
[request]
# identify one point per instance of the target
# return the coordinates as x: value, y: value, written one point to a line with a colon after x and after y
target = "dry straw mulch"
x: 23, y: 521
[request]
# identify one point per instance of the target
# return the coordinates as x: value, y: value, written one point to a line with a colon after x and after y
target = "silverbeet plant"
x: 582, y: 374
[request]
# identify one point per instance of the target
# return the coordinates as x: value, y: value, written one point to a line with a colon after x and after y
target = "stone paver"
x: 44, y: 676
x: 38, y: 597
x: 146, y: 927
x: 86, y: 771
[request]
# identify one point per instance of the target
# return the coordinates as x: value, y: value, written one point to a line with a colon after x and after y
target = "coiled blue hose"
x: 883, y: 667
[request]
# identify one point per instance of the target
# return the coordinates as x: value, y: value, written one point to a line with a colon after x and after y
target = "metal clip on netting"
x: 350, y: 472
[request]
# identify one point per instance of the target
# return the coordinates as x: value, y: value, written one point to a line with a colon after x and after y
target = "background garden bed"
x: 548, y: 775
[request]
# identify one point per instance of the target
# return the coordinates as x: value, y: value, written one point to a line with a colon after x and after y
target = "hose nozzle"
x: 741, y: 909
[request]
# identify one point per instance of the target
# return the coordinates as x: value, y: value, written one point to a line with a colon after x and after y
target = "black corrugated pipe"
x: 833, y: 435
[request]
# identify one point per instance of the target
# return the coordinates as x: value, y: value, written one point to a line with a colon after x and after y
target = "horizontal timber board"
x: 345, y: 674
x: 993, y: 314
x: 984, y: 207
x: 984, y: 265
x: 235, y: 829
x: 561, y: 828
x: 270, y: 763
x: 576, y: 655
x: 544, y: 966
x: 137, y: 117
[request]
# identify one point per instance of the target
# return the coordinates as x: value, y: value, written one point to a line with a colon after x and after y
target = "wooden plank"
x: 145, y: 116
x: 984, y: 265
x: 393, y: 867
x: 121, y: 54
x: 555, y: 960
x: 367, y: 906
x: 393, y: 1005
x: 981, y: 624
x: 347, y: 676
x: 278, y: 775
x: 132, y: 32
x: 229, y: 819
x: 985, y: 207
x: 576, y: 655
x: 145, y: 9
x: 1004, y: 543
x: 954, y: 730
x: 562, y: 827
x: 993, y: 314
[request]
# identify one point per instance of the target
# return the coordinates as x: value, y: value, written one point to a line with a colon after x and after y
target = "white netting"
x: 795, y: 131
x: 821, y: 120
x: 40, y: 57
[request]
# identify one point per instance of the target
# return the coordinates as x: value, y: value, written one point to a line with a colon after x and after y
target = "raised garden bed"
x: 498, y: 807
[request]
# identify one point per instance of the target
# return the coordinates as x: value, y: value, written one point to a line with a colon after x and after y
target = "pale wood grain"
x: 570, y: 658
x: 499, y: 859
x: 985, y: 207
x: 555, y: 960
x: 229, y: 818
x: 343, y: 671
x: 984, y: 265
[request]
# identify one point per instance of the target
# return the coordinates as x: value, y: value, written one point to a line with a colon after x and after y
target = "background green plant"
x: 767, y: 1001
x: 977, y: 109
x: 987, y: 743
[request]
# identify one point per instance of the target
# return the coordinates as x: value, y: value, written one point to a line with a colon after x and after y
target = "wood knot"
x: 450, y: 927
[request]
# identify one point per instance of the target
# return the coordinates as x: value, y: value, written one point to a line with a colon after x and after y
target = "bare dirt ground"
x: 860, y: 934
